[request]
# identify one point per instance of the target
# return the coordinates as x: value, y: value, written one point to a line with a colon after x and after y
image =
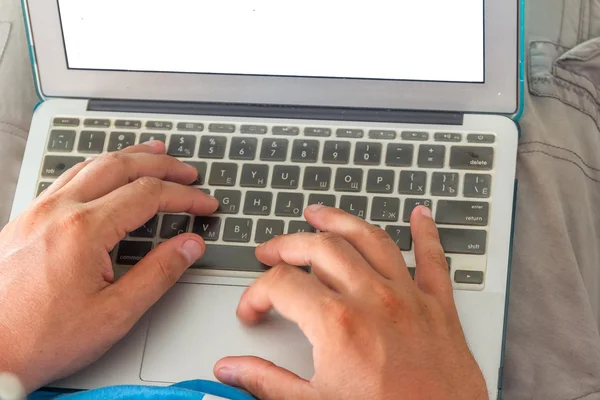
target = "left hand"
x: 61, y: 308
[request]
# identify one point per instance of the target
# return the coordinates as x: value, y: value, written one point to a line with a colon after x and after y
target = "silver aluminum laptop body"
x: 195, y: 324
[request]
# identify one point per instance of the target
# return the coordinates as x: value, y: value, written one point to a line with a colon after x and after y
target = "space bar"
x: 230, y: 258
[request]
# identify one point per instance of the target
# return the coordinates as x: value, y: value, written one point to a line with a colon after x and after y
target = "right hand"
x: 376, y: 334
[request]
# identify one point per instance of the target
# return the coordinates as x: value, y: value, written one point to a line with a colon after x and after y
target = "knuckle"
x: 257, y: 383
x: 329, y: 240
x: 279, y: 273
x: 150, y: 185
x: 340, y: 313
x: 76, y: 217
x: 168, y: 275
x: 116, y: 159
x: 377, y: 234
x: 390, y: 300
x: 435, y: 256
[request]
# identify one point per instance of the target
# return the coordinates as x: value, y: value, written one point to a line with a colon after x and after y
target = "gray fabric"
x: 553, y: 344
x: 17, y: 100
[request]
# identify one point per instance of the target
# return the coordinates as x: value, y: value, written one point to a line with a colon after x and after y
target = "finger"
x: 296, y: 295
x: 374, y: 244
x: 263, y: 379
x: 333, y: 260
x: 132, y: 205
x: 114, y: 170
x: 432, y: 269
x: 156, y: 147
x: 149, y: 279
x: 65, y: 178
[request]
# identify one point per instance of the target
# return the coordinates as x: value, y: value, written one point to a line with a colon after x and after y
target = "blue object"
x: 190, y: 390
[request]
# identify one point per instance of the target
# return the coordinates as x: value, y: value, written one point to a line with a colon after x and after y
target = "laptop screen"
x: 434, y: 40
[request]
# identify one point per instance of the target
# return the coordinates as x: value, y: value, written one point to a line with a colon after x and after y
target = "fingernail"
x: 192, y: 251
x: 227, y: 376
x: 315, y: 207
x: 153, y: 143
x: 425, y: 211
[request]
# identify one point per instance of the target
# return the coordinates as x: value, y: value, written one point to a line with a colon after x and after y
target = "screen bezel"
x: 498, y: 94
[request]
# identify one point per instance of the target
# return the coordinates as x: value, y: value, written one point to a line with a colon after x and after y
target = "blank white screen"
x: 437, y: 40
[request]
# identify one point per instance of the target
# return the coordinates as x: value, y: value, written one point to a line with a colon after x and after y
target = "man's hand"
x: 376, y: 334
x: 61, y: 309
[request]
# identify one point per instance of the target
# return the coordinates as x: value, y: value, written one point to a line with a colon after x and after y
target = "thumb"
x: 263, y: 379
x: 145, y: 283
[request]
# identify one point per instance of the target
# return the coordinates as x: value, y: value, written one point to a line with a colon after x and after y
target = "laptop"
x: 374, y: 108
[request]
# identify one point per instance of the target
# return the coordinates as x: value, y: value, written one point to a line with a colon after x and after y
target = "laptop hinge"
x: 275, y: 111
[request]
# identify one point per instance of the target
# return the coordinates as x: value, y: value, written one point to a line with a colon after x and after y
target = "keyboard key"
x: 148, y: 230
x: 463, y: 241
x: 234, y: 258
x: 285, y: 177
x: 42, y: 186
x: 190, y: 126
x: 201, y: 168
x: 462, y: 213
x: 367, y: 153
x: 254, y: 175
x: 305, y: 151
x: 61, y: 140
x: 317, y: 178
x: 286, y: 130
x: 385, y: 209
x: 480, y: 138
x: 322, y: 199
x: 431, y: 156
x: 254, y: 129
x: 447, y: 137
x: 354, y: 205
x: 96, y: 123
x: 182, y: 146
x: 336, y: 152
x: 127, y: 124
x: 463, y: 157
x: 348, y: 180
x: 411, y: 204
x: 212, y: 147
x: 173, y: 225
x: 477, y: 185
x: 469, y: 277
x: 274, y: 150
x: 444, y: 184
x: 258, y: 203
x: 317, y: 132
x: 207, y: 227
x: 120, y: 141
x: 289, y: 204
x: 267, y: 229
x: 380, y: 181
x: 382, y: 134
x: 420, y: 136
x: 146, y: 137
x: 159, y: 125
x: 399, y: 155
x: 62, y: 121
x: 401, y: 236
x: 350, y: 133
x: 229, y: 201
x: 91, y: 142
x: 243, y: 148
x: 130, y: 252
x: 221, y: 128
x: 412, y: 182
x: 223, y: 174
x: 55, y: 166
x: 300, y: 226
x: 237, y: 230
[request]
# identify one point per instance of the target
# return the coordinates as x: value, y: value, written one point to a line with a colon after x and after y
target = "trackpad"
x: 195, y: 325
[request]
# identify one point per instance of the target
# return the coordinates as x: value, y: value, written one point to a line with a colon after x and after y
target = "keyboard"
x: 265, y: 174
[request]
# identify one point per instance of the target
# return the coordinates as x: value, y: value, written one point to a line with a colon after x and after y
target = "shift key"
x: 463, y: 241
x: 462, y: 213
x: 55, y: 166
